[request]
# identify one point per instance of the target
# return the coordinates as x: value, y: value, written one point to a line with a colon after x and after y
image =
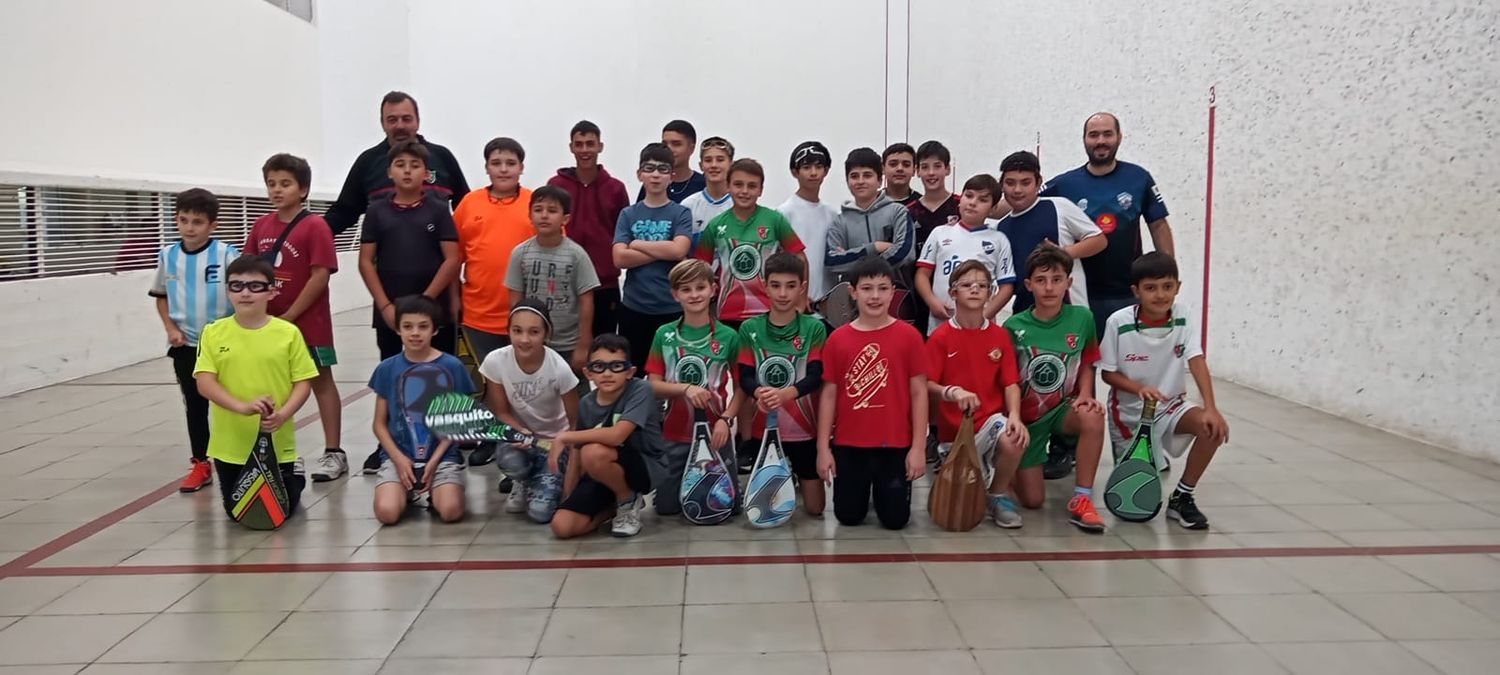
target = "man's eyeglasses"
x: 597, y: 367
x: 656, y: 167
x: 252, y: 286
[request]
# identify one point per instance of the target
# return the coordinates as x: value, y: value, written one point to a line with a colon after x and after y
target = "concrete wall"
x: 1354, y: 227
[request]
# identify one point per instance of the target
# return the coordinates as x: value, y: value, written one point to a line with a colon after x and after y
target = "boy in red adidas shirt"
x: 872, y: 412
x: 973, y: 370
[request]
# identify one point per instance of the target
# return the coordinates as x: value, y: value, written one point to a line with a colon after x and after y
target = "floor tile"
x: 20, y: 596
x: 251, y: 592
x: 35, y: 639
x: 449, y: 666
x: 756, y: 664
x: 1224, y: 576
x: 1199, y: 659
x: 497, y: 589
x: 1418, y: 616
x: 1090, y: 660
x: 1487, y: 602
x: 374, y: 590
x: 622, y: 587
x: 610, y: 631
x: 1234, y: 519
x: 974, y: 581
x: 1008, y: 623
x: 1289, y: 618
x: 850, y: 582
x: 335, y: 635
x: 473, y: 633
x: 1448, y: 516
x: 218, y: 637
x: 886, y: 626
x: 1459, y: 657
x: 1110, y: 578
x: 167, y: 669
x: 125, y: 594
x: 1365, y: 658
x: 1348, y: 517
x: 750, y: 628
x: 613, y: 665
x: 903, y: 663
x: 1348, y: 574
x: 1451, y: 572
x: 1157, y: 621
x: 725, y: 584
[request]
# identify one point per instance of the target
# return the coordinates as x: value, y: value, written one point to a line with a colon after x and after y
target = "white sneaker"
x: 1003, y: 510
x: 297, y: 469
x: 331, y: 466
x: 627, y: 521
x: 515, y: 502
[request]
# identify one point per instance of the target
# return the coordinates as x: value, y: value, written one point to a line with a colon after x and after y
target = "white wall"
x: 1354, y: 231
x: 765, y: 79
x: 364, y: 52
x: 176, y: 91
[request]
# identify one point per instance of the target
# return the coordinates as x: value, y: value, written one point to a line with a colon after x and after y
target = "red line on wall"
x: 1208, y: 216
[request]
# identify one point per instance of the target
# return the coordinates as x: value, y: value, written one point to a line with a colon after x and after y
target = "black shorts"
x: 803, y: 456
x: 591, y: 498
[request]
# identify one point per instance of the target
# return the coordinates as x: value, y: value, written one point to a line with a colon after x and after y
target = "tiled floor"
x: 1335, y: 549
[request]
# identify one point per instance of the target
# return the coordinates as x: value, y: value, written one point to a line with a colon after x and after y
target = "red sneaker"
x: 1081, y: 513
x: 199, y: 476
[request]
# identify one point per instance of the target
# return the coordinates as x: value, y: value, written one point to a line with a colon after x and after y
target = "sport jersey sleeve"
x: 785, y: 235
x: 916, y: 360
x: 513, y: 277
x: 707, y: 242
x: 637, y: 402
x: 1010, y: 367
x: 302, y: 366
x: 928, y: 257
x: 1005, y: 264
x: 1090, y: 355
x: 585, y: 279
x: 1049, y: 189
x: 351, y: 203
x: 208, y: 347
x: 159, y: 282
x: 447, y: 230
x: 1156, y: 207
x: 1109, y: 345
x: 1192, y: 335
x: 382, y: 380
x: 1074, y: 221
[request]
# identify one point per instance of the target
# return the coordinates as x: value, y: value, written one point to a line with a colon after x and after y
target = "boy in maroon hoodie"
x: 598, y: 199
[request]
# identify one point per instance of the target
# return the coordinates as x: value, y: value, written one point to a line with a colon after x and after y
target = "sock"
x: 338, y: 450
x: 1185, y: 488
x: 1087, y: 492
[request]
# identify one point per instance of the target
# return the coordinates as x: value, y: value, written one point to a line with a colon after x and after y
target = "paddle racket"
x: 1133, y: 492
x: 707, y: 493
x: 837, y: 305
x: 771, y: 493
x: 417, y: 386
x: 458, y: 417
x: 959, y: 496
x: 259, y: 497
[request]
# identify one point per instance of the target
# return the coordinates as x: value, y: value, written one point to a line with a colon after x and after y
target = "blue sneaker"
x: 1003, y: 510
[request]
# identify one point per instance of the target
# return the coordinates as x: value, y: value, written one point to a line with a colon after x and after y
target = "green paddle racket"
x: 458, y: 417
x: 1133, y: 492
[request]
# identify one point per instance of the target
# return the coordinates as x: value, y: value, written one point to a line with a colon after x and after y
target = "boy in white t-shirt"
x: 531, y: 387
x: 1146, y: 352
x: 714, y: 157
x: 948, y: 246
x: 810, y: 217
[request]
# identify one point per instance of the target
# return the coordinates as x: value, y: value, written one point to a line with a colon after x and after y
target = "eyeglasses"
x: 597, y: 367
x: 972, y: 286
x: 810, y: 154
x: 252, y: 286
x: 656, y: 167
x: 716, y: 142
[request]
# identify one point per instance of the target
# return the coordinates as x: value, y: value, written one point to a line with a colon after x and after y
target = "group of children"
x: 711, y: 323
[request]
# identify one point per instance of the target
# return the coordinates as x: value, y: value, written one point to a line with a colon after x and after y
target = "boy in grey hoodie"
x: 871, y: 225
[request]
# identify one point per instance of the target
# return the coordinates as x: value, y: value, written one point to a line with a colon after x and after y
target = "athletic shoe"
x: 1059, y: 460
x: 482, y: 455
x: 1081, y: 513
x: 372, y: 463
x: 745, y: 456
x: 932, y: 446
x: 627, y: 522
x: 198, y: 477
x: 334, y: 464
x: 506, y: 485
x: 515, y: 502
x: 1003, y: 510
x: 1183, y: 509
x: 545, y: 493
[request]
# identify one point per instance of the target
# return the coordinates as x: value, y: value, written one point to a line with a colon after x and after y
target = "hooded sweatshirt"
x: 854, y: 232
x: 596, y: 208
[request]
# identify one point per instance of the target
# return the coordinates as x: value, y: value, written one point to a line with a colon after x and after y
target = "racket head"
x: 771, y: 492
x: 259, y: 497
x: 837, y: 305
x: 1133, y: 492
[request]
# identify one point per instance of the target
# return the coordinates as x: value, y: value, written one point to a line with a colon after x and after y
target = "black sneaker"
x: 932, y: 446
x: 482, y: 455
x: 506, y: 485
x: 1059, y: 459
x: 372, y: 463
x: 745, y: 455
x: 1184, y: 510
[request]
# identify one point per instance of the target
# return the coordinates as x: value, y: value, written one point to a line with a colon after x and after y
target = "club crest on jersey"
x: 1083, y: 204
x: 1107, y: 222
x: 797, y: 342
x: 1125, y: 200
x: 1072, y: 341
x: 1046, y: 372
x: 776, y: 371
x: 1178, y: 350
x: 691, y: 369
x: 432, y: 177
x: 988, y: 246
x: 744, y: 262
x: 760, y: 231
x: 995, y: 355
x: 715, y: 346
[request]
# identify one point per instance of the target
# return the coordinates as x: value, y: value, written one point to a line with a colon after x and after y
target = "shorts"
x: 986, y: 441
x: 1164, y: 436
x: 323, y: 357
x: 1042, y: 431
x: 591, y: 498
x: 483, y: 342
x: 447, y: 473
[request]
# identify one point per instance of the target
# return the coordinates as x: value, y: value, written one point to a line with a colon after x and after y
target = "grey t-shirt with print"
x: 556, y: 275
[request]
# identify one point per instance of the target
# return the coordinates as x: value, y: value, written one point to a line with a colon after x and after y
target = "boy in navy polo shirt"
x: 1034, y: 219
x: 408, y: 246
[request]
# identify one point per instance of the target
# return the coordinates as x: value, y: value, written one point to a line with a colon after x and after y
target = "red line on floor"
x: 97, y: 525
x: 809, y: 559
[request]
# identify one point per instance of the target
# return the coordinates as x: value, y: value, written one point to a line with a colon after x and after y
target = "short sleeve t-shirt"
x: 811, y: 220
x: 981, y: 360
x: 1054, y: 219
x: 408, y: 387
x: 646, y: 289
x: 873, y: 371
x: 536, y: 398
x: 408, y: 240
x: 636, y: 404
x: 705, y: 209
x: 556, y: 275
x: 489, y: 229
x: 927, y: 220
x: 1053, y: 354
x: 1155, y: 354
x: 310, y: 245
x: 698, y: 355
x: 1117, y: 203
x: 249, y: 364
x: 739, y: 249
x: 780, y: 356
x: 950, y: 245
x: 193, y: 284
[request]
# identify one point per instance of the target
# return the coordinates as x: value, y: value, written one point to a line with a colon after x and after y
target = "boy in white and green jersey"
x: 1058, y: 351
x: 781, y: 369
